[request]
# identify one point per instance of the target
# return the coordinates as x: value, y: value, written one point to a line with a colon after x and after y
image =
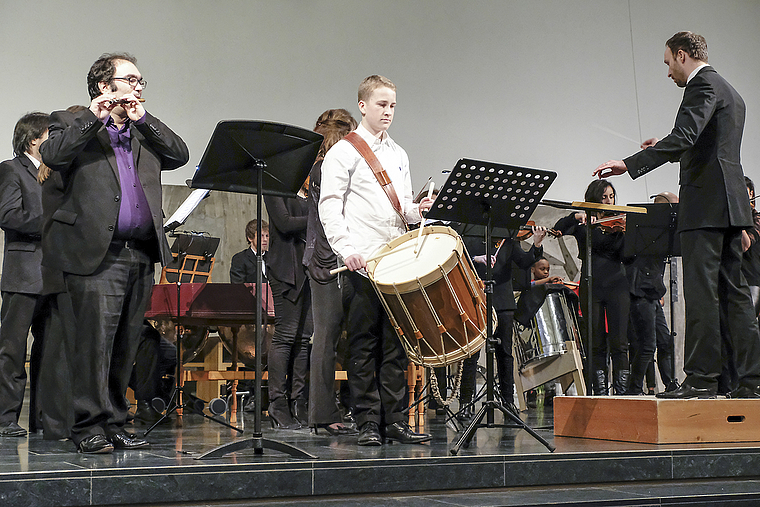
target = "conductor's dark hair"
x: 596, y: 189
x: 31, y: 126
x: 104, y: 69
x: 692, y: 44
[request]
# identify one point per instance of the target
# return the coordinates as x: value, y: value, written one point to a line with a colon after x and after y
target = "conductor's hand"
x: 355, y: 262
x: 610, y: 168
x: 649, y: 142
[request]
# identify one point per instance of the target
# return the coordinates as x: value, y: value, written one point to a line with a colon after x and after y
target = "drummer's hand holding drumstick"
x: 426, y: 204
x: 355, y: 262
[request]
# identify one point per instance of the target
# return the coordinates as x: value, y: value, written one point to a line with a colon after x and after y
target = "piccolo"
x: 117, y: 102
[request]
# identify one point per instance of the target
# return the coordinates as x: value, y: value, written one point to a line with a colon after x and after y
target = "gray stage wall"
x: 554, y: 84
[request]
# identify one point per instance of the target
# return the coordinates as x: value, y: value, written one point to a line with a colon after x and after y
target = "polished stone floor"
x: 502, y: 466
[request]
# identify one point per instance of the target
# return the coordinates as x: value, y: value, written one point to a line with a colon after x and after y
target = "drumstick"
x: 422, y: 223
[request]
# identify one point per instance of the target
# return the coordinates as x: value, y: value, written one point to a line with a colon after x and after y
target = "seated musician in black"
x: 243, y: 265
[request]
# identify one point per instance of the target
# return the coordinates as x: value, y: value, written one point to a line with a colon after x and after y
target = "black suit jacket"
x: 82, y: 207
x: 21, y: 220
x: 706, y: 139
x: 243, y: 267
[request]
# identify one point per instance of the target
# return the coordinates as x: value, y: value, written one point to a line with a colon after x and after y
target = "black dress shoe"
x: 402, y: 433
x: 685, y: 392
x: 465, y: 414
x: 335, y: 429
x: 124, y: 441
x: 96, y: 444
x: 11, y: 429
x: 369, y: 434
x: 146, y: 414
x: 744, y: 392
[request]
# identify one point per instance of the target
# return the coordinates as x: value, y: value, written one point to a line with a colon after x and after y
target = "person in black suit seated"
x: 153, y: 373
x: 610, y: 289
x: 21, y: 283
x: 288, y: 360
x: 103, y: 229
x: 243, y: 264
x: 712, y: 213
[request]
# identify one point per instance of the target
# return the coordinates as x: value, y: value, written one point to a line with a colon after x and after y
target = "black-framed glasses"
x: 133, y: 81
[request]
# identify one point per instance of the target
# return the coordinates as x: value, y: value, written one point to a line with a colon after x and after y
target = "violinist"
x: 610, y: 288
x: 645, y: 275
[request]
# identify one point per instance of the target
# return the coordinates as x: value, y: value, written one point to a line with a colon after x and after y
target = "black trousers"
x: 377, y: 360
x: 642, y: 336
x: 18, y: 314
x: 718, y: 307
x: 614, y: 303
x: 54, y: 383
x: 665, y: 350
x: 288, y: 360
x: 328, y: 325
x: 108, y: 310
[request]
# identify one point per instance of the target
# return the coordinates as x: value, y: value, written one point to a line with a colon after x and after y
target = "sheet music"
x: 184, y: 210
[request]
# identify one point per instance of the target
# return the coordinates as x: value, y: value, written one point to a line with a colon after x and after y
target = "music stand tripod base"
x: 258, y: 445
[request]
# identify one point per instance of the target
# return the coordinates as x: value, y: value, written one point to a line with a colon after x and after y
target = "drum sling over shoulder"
x: 377, y: 169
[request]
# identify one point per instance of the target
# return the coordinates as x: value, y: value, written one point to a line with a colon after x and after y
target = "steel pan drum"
x: 246, y: 343
x: 195, y: 340
x: 434, y: 297
x: 545, y: 336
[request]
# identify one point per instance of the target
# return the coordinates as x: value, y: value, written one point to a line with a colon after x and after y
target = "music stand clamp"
x: 491, y: 194
x: 257, y: 157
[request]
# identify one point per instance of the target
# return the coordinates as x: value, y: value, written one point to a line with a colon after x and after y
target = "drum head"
x: 403, y: 266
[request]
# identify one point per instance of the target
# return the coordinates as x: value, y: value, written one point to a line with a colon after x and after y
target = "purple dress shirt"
x: 135, y: 221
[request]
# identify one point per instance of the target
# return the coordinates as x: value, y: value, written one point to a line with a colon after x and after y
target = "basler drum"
x: 434, y: 297
x: 545, y: 336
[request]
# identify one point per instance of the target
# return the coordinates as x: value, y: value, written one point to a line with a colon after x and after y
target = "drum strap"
x: 377, y: 169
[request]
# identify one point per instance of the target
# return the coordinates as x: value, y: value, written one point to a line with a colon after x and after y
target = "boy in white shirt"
x: 358, y: 218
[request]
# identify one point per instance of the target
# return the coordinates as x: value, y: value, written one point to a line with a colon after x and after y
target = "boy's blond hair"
x: 371, y: 84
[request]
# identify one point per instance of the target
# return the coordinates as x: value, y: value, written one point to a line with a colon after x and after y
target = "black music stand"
x: 655, y: 235
x: 257, y: 157
x: 488, y: 194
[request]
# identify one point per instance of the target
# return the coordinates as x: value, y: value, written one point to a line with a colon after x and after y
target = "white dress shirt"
x: 356, y: 214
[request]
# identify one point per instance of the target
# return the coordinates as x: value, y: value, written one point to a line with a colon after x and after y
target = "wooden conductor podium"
x: 647, y: 419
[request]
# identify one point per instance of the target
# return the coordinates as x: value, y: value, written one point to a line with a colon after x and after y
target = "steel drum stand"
x: 478, y: 193
x: 256, y: 157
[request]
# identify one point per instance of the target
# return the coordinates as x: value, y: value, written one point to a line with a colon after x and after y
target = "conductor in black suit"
x: 21, y: 285
x: 103, y: 229
x: 714, y: 209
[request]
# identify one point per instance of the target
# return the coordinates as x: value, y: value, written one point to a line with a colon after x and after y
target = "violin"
x: 526, y: 231
x: 614, y: 223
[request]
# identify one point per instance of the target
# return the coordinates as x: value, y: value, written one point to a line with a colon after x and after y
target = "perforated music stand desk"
x: 588, y: 207
x: 257, y: 157
x: 491, y: 194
